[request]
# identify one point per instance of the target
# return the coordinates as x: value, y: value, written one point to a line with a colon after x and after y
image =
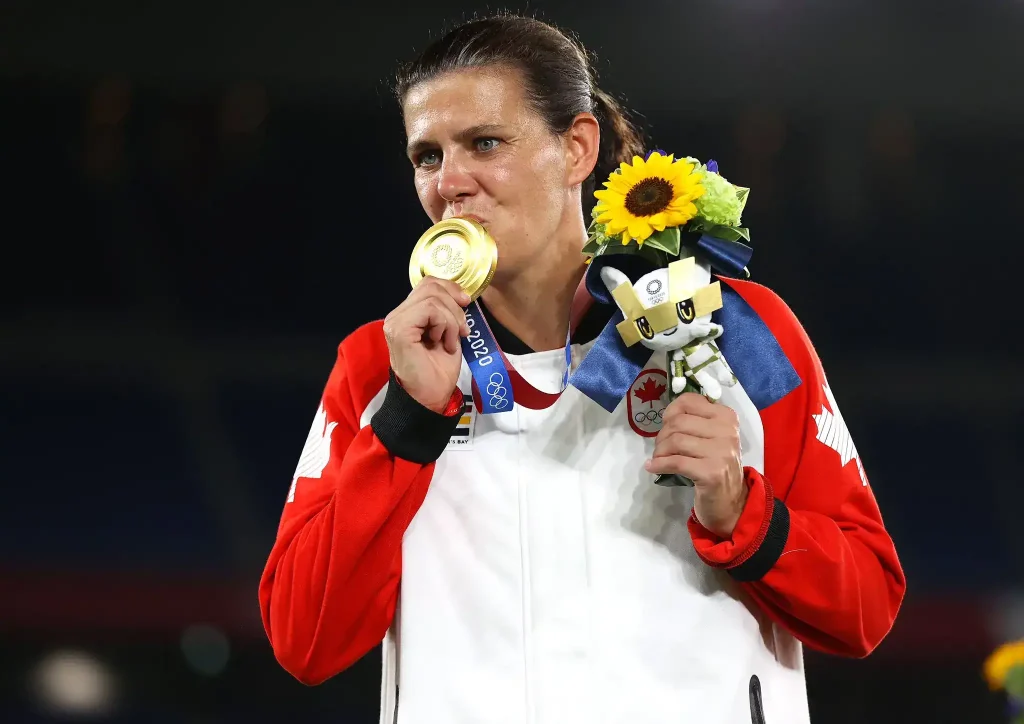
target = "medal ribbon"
x: 497, y: 385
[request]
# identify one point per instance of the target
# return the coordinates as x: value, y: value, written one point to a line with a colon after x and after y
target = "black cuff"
x: 770, y: 550
x: 408, y: 429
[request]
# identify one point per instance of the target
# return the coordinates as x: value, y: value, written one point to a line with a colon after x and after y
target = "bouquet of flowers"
x: 649, y: 206
x: 672, y: 212
x: 1004, y: 670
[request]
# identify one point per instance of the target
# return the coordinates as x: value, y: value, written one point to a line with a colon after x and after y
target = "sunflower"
x: 648, y: 196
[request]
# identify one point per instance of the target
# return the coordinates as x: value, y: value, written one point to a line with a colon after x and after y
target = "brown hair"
x: 558, y: 75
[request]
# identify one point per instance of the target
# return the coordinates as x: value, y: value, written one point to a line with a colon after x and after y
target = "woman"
x: 521, y: 566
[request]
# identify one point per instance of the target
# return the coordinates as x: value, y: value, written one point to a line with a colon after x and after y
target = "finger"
x: 690, y: 403
x: 452, y: 333
x: 433, y: 284
x: 458, y: 315
x: 691, y: 425
x: 432, y: 317
x: 727, y: 416
x: 682, y: 444
x: 434, y: 330
x: 414, y: 307
x: 444, y: 296
x: 674, y: 465
x: 449, y: 334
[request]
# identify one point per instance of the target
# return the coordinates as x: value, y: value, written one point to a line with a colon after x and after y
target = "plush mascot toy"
x: 669, y: 310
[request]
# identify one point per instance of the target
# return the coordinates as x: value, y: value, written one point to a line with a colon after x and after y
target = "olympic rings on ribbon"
x: 496, y: 390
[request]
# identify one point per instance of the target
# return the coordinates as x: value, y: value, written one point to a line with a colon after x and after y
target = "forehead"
x: 464, y: 98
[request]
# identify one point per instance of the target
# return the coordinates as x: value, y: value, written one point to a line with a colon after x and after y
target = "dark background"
x: 201, y: 199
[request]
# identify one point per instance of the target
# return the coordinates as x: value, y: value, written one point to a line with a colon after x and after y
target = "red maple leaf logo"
x: 650, y: 391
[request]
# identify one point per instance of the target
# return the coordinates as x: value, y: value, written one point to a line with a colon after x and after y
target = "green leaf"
x: 596, y: 238
x: 729, y: 233
x: 723, y: 232
x: 656, y: 257
x: 697, y: 225
x: 741, y: 193
x: 617, y: 247
x: 659, y: 258
x: 666, y: 241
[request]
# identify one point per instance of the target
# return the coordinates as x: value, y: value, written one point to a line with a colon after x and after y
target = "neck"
x: 534, y: 303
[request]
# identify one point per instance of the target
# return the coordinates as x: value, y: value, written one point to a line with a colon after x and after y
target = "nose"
x: 455, y: 181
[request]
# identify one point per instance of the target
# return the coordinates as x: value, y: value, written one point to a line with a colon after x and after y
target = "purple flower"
x: 656, y: 150
x: 712, y: 166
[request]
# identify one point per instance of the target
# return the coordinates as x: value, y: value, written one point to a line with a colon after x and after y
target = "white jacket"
x: 531, y: 573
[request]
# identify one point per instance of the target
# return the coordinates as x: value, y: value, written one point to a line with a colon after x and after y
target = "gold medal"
x: 456, y: 249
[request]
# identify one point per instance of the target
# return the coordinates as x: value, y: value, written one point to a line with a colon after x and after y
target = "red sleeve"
x: 330, y: 585
x: 810, y: 547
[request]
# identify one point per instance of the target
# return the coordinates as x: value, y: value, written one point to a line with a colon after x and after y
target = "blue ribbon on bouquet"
x: 729, y: 258
x: 754, y: 354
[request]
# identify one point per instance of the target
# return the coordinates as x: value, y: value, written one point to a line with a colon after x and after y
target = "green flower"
x: 722, y: 202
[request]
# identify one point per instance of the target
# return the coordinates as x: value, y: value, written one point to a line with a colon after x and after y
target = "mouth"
x: 669, y: 334
x: 450, y: 213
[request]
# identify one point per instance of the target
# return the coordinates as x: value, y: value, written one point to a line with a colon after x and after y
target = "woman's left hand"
x: 701, y: 440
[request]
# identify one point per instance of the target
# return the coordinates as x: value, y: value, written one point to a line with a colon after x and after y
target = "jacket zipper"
x: 756, y: 705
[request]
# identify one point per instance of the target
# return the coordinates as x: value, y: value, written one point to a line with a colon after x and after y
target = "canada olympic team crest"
x: 646, y: 402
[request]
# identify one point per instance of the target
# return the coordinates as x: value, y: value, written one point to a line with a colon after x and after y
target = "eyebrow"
x: 462, y: 136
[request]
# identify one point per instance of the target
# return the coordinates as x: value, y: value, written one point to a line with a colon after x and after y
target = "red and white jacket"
x: 522, y: 567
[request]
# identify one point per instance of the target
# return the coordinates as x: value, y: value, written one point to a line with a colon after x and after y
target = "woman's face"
x: 479, y: 150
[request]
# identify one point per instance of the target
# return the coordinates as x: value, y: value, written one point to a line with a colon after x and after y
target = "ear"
x: 583, y: 141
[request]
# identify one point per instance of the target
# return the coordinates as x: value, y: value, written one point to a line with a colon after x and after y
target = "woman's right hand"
x: 423, y: 340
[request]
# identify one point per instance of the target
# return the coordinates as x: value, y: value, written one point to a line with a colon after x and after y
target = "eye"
x: 685, y: 311
x: 427, y: 158
x: 644, y: 327
x: 486, y: 144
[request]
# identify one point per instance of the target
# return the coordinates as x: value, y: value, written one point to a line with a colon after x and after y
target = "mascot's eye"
x: 645, y: 328
x: 685, y: 311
